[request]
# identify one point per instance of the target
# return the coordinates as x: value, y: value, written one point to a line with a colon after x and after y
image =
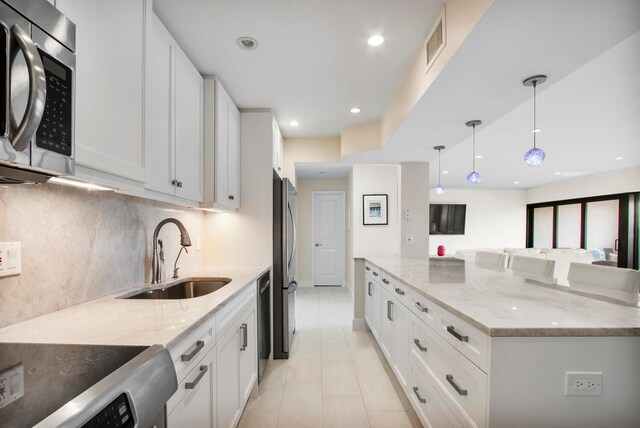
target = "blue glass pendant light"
x: 535, y: 156
x: 474, y: 177
x: 439, y: 189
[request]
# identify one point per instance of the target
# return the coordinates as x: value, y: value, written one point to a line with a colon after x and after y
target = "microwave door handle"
x: 37, y: 91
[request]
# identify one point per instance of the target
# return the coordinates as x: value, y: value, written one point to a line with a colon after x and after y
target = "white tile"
x: 378, y: 392
x: 301, y: 406
x: 259, y: 419
x: 389, y: 420
x: 339, y: 378
x: 344, y: 411
x: 335, y: 350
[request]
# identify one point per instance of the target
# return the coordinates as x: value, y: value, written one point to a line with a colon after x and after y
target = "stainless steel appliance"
x: 51, y: 385
x: 264, y: 322
x: 36, y: 92
x: 284, y: 266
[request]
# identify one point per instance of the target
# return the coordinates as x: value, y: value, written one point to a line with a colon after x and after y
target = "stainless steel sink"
x: 184, y: 290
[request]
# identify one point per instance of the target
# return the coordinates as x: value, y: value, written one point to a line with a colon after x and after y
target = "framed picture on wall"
x: 375, y: 210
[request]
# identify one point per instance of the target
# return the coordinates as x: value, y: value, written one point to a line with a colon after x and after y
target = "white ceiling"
x: 312, y: 63
x: 309, y: 170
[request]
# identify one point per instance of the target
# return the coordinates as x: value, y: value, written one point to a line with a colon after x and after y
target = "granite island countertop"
x: 111, y: 320
x: 500, y: 304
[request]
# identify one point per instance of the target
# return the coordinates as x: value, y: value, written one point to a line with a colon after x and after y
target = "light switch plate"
x: 11, y: 385
x: 10, y: 258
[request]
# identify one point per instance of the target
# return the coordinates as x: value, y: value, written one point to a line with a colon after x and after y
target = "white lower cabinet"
x: 373, y: 306
x: 248, y: 360
x: 394, y: 337
x: 193, y: 405
x: 431, y: 409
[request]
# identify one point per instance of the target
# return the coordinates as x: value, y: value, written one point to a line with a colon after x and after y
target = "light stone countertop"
x: 501, y: 304
x: 113, y: 321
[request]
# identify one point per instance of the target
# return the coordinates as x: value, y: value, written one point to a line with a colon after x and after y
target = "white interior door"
x: 328, y: 238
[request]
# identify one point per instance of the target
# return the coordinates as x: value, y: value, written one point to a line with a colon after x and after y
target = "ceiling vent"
x: 436, y: 41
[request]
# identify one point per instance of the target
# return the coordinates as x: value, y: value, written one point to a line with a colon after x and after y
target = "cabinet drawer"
x: 372, y: 270
x: 467, y: 339
x: 234, y: 309
x: 200, y: 389
x: 425, y: 399
x: 424, y: 308
x: 461, y: 383
x: 396, y: 288
x: 191, y: 350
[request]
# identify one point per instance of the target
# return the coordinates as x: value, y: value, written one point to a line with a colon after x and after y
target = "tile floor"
x: 334, y: 376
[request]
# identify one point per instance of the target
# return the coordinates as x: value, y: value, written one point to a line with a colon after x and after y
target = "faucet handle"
x: 175, y: 265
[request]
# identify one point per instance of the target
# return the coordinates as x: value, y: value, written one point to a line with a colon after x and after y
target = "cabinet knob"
x: 179, y: 183
x: 174, y: 182
x: 231, y: 197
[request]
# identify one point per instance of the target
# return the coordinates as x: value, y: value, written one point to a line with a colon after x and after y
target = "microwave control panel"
x: 55, y: 130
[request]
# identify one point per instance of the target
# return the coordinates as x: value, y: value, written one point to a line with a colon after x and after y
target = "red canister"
x: 441, y: 250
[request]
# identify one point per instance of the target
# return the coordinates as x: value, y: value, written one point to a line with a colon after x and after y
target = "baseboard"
x: 346, y: 285
x: 303, y: 283
x: 359, y: 324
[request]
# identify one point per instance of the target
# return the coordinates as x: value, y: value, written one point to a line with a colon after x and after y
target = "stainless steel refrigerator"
x: 284, y: 266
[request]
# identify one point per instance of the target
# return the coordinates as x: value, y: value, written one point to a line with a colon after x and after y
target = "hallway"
x: 334, y: 377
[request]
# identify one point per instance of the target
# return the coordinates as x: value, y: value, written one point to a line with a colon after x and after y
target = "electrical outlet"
x: 583, y: 383
x: 10, y: 258
x: 408, y: 239
x: 11, y: 385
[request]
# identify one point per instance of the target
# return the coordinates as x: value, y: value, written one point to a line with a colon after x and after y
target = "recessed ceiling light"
x: 556, y: 173
x: 375, y: 40
x: 294, y: 123
x: 516, y: 182
x: 247, y: 43
x: 620, y: 158
x: 478, y: 156
x: 445, y: 172
x: 355, y: 110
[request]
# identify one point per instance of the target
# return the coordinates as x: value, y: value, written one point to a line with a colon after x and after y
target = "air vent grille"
x: 436, y: 41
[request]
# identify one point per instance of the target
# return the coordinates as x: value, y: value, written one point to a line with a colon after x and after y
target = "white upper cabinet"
x: 278, y: 150
x: 173, y: 129
x: 222, y: 148
x: 110, y: 86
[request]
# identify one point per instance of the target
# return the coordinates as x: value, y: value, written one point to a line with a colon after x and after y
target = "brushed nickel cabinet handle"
x: 375, y: 274
x: 367, y: 268
x: 399, y: 291
x: 421, y: 308
x: 385, y: 280
x: 416, y: 391
x: 420, y: 347
x: 389, y: 305
x: 244, y: 337
x: 196, y: 349
x: 369, y: 289
x: 231, y: 197
x: 457, y: 335
x: 455, y: 385
x: 203, y: 371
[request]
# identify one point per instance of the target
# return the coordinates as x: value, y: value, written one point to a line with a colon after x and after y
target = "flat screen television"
x: 447, y: 219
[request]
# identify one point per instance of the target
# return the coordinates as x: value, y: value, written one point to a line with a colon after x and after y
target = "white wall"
x: 415, y: 198
x: 495, y: 218
x: 623, y: 181
x: 381, y: 240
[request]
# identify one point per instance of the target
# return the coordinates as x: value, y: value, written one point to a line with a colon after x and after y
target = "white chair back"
x: 491, y: 260
x: 612, y: 283
x: 534, y: 268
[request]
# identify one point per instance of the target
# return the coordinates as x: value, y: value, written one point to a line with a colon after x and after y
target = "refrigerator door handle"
x: 292, y: 287
x: 293, y: 223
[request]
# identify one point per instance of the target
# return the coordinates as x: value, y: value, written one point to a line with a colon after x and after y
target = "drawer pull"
x: 455, y: 385
x: 385, y: 280
x: 421, y: 308
x: 420, y: 347
x: 203, y: 371
x: 416, y: 391
x: 400, y: 292
x: 369, y: 289
x: 389, y: 304
x: 375, y: 274
x: 457, y: 335
x: 367, y: 268
x: 243, y: 327
x: 196, y: 349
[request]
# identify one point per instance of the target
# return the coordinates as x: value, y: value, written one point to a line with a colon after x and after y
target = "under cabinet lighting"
x: 78, y: 184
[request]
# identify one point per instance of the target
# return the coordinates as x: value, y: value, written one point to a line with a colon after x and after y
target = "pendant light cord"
x: 534, y: 114
x: 439, y: 169
x: 474, y: 147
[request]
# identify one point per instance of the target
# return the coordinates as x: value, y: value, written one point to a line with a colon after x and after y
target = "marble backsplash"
x: 79, y: 245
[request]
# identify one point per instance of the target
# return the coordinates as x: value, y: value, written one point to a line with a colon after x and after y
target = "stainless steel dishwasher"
x: 264, y: 322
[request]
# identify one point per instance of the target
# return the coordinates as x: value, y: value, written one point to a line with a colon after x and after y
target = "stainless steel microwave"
x: 37, y: 92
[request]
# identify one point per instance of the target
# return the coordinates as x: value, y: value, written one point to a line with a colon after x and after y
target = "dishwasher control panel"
x: 117, y: 414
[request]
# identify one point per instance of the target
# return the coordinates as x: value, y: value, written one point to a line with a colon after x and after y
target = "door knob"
x: 317, y: 245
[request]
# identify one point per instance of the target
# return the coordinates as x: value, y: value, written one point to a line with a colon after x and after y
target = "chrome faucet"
x: 185, y: 241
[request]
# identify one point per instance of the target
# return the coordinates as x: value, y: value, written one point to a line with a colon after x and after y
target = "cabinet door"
x: 399, y: 348
x: 189, y: 128
x: 228, y: 402
x: 386, y: 327
x: 233, y: 157
x: 277, y: 149
x: 109, y: 82
x: 368, y: 302
x: 196, y: 397
x: 159, y: 120
x: 376, y: 310
x: 223, y: 102
x: 248, y: 357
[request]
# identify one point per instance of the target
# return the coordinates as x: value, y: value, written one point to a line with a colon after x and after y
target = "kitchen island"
x: 474, y: 347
